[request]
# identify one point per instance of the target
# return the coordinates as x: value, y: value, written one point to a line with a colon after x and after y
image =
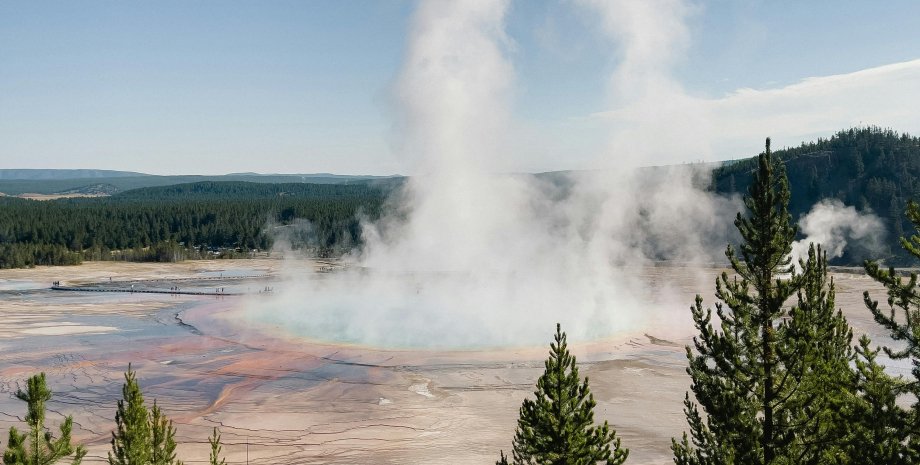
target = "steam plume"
x: 473, y: 258
x: 835, y: 226
x: 651, y: 115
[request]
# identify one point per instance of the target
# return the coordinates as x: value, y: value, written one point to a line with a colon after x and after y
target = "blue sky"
x: 306, y: 86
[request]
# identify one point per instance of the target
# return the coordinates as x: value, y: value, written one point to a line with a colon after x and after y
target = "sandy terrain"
x: 283, y: 400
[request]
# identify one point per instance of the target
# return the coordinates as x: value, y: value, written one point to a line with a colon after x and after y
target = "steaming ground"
x: 835, y: 225
x: 492, y: 261
x: 495, y: 260
x: 465, y: 310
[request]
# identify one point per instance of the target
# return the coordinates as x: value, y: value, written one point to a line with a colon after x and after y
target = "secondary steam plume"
x: 835, y: 226
x: 473, y: 258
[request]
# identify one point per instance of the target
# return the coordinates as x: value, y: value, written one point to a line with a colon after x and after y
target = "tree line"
x: 172, y: 223
x: 875, y: 170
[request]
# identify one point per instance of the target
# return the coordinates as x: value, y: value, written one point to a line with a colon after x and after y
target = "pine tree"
x: 769, y: 380
x: 902, y: 320
x: 557, y: 428
x: 132, y: 438
x: 142, y: 436
x: 817, y: 343
x: 894, y: 213
x: 214, y: 440
x: 878, y: 424
x: 162, y: 438
x: 42, y: 447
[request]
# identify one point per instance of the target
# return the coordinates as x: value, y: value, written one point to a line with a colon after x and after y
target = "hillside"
x: 873, y: 169
x: 127, y: 181
x: 50, y: 174
x: 252, y: 190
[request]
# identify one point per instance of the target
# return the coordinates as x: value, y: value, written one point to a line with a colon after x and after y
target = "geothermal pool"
x: 296, y: 395
x: 471, y: 310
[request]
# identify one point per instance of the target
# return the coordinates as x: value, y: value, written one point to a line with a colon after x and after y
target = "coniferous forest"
x: 875, y: 170
x: 872, y: 169
x: 198, y: 220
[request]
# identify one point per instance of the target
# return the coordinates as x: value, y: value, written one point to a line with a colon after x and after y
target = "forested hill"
x: 50, y: 182
x: 250, y: 190
x: 872, y: 169
x: 46, y: 174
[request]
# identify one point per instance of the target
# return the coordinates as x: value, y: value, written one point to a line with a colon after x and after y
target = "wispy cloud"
x: 885, y: 96
x: 653, y: 119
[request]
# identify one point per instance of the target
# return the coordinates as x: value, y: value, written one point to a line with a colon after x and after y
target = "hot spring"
x: 456, y: 310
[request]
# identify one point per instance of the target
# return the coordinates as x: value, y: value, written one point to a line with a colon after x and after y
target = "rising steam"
x: 836, y: 226
x: 468, y: 257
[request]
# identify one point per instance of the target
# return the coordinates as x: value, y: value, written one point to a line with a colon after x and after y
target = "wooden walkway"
x: 140, y: 291
x: 100, y: 285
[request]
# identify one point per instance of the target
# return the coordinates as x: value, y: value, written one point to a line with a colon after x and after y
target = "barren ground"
x: 281, y: 400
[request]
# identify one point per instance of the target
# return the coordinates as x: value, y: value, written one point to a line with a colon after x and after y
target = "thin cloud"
x: 654, y: 120
x: 734, y: 125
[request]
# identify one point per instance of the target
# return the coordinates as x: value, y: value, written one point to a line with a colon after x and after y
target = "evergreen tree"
x: 132, y: 438
x: 162, y: 438
x: 816, y: 341
x: 214, y: 440
x: 771, y: 381
x: 902, y: 320
x: 42, y: 447
x: 557, y: 428
x: 878, y: 423
x: 142, y: 436
x: 894, y: 213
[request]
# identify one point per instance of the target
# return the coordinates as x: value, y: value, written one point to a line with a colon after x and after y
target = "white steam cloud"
x: 652, y: 118
x: 472, y: 258
x: 834, y: 226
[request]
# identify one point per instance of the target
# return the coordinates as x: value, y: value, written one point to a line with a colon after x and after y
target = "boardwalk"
x: 122, y: 286
x: 140, y: 291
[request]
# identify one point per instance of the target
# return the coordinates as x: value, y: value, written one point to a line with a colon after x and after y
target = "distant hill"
x: 127, y: 181
x: 205, y: 190
x: 309, y: 175
x: 872, y: 169
x: 41, y: 174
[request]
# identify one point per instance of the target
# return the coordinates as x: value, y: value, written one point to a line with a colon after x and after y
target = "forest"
x: 875, y: 170
x: 198, y: 220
